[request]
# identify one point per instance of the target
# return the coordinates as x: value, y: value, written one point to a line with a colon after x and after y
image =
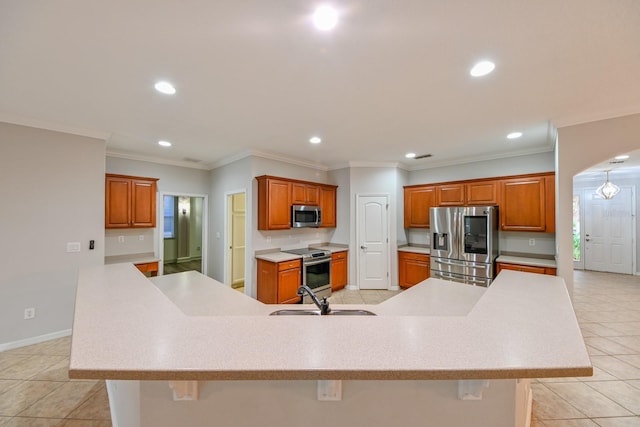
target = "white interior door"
x: 608, y: 232
x: 373, y: 242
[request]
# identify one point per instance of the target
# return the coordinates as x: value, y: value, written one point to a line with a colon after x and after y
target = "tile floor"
x: 36, y: 391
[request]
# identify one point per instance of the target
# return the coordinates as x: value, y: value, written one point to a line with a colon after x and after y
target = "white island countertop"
x: 190, y: 327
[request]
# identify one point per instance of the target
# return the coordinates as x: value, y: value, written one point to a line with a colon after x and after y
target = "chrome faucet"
x: 322, y: 305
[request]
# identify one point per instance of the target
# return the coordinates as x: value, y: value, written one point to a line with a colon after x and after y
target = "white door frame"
x: 579, y: 265
x: 160, y: 230
x: 357, y: 249
x: 227, y: 237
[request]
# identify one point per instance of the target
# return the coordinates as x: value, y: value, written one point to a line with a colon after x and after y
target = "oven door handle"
x: 317, y: 261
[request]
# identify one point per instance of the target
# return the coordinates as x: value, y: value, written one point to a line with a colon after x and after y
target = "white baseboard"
x: 34, y: 340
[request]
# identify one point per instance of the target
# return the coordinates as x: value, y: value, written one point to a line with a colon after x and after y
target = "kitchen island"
x: 427, y: 355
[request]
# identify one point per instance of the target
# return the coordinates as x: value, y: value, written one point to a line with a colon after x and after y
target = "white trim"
x: 205, y: 227
x: 34, y: 340
x: 268, y: 155
x: 56, y: 127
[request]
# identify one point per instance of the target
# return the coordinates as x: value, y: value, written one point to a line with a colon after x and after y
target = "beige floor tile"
x: 634, y: 383
x: 24, y: 395
x: 61, y: 401
x: 631, y: 359
x: 31, y: 349
x: 587, y: 400
x: 598, y: 375
x: 7, y: 359
x: 537, y: 423
x: 616, y: 367
x: 594, y: 351
x: 625, y: 328
x: 4, y: 421
x: 598, y: 329
x: 618, y: 422
x: 632, y: 342
x: 582, y: 422
x: 29, y: 367
x: 85, y: 423
x: 57, y: 372
x: 620, y: 392
x: 95, y: 407
x: 547, y: 405
x: 608, y: 346
x: 33, y: 422
x: 558, y: 380
x: 5, y: 385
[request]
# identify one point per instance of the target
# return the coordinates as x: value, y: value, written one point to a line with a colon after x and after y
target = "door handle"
x: 363, y: 247
x: 588, y: 240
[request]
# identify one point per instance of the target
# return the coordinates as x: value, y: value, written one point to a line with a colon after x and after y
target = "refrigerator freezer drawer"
x: 460, y: 278
x: 465, y: 268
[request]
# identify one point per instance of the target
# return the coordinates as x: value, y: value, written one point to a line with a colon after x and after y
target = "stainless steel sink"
x: 338, y: 312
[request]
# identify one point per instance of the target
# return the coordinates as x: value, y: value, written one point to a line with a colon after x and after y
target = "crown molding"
x: 465, y: 160
x: 270, y: 156
x: 142, y: 158
x: 52, y: 126
x: 606, y: 115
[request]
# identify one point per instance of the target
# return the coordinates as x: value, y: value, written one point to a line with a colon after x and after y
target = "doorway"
x: 235, y: 240
x: 183, y: 233
x: 603, y: 240
x: 372, y: 238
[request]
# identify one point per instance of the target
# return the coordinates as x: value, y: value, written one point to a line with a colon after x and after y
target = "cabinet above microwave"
x: 277, y: 195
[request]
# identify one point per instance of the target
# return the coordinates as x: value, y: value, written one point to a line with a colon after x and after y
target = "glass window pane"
x: 576, y: 228
x: 169, y: 207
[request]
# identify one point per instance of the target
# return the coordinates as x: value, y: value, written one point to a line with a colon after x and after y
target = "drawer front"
x: 338, y: 255
x: 287, y: 265
x: 415, y: 257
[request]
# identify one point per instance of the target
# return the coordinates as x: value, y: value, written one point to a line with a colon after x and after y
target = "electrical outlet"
x: 532, y: 242
x: 73, y: 247
x: 120, y: 239
x: 29, y: 313
x: 141, y: 237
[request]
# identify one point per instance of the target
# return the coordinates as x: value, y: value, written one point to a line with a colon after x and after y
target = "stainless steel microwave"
x: 305, y: 216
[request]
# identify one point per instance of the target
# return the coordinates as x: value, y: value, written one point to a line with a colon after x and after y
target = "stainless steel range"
x: 316, y: 271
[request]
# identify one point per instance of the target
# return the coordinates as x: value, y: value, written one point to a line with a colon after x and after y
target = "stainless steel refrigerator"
x: 464, y: 244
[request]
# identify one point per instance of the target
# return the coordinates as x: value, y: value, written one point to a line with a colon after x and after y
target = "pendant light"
x: 608, y: 189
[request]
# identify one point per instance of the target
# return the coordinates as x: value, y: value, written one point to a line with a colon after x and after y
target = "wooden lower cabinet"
x: 339, y: 270
x: 148, y: 268
x: 525, y: 268
x: 278, y: 282
x: 413, y: 268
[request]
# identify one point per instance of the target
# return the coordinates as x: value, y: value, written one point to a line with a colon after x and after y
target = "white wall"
x: 342, y: 178
x: 533, y: 163
x: 578, y: 148
x: 52, y: 192
x: 380, y: 181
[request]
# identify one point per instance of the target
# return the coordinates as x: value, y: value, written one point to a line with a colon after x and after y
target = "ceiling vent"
x: 423, y: 156
x: 189, y: 159
x: 616, y: 162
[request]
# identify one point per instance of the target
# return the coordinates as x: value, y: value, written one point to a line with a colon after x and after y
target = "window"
x: 169, y: 206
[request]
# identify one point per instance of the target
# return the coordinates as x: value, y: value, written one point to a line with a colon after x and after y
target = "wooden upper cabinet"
x: 274, y: 203
x: 523, y: 204
x: 417, y: 202
x: 130, y: 202
x: 328, y: 205
x: 276, y: 196
x: 450, y: 194
x: 305, y: 194
x: 482, y: 193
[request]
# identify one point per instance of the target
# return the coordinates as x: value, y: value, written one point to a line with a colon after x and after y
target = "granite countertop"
x: 188, y: 326
x: 131, y: 258
x: 524, y: 260
x: 331, y: 248
x: 415, y: 249
x: 278, y: 256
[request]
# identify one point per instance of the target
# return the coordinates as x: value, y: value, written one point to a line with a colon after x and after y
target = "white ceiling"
x: 254, y: 75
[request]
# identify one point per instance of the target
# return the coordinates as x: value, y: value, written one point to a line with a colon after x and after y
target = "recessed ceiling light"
x: 622, y: 157
x: 165, y: 87
x: 514, y: 135
x: 164, y: 143
x: 410, y: 155
x: 325, y: 18
x: 482, y: 68
x: 315, y: 140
